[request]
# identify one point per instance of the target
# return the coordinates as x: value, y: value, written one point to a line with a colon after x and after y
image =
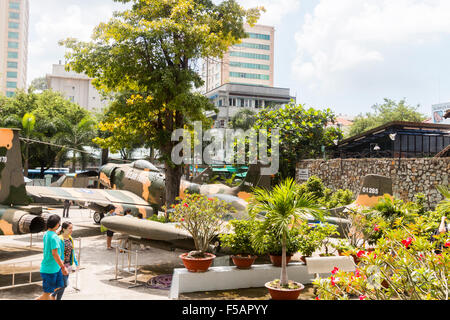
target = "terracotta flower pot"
x: 243, y: 262
x: 284, y: 294
x: 355, y: 258
x: 197, y: 264
x: 303, y: 258
x: 276, y: 260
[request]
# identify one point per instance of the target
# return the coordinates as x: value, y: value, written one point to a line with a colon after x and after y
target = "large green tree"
x: 384, y: 113
x: 303, y: 132
x: 50, y: 111
x: 149, y: 54
x: 243, y: 119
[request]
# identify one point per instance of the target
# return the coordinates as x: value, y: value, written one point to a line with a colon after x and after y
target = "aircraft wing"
x: 81, y: 195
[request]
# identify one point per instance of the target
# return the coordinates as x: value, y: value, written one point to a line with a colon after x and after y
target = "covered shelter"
x: 396, y: 140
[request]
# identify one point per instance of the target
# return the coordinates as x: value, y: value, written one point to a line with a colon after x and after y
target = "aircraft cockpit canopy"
x: 144, y: 165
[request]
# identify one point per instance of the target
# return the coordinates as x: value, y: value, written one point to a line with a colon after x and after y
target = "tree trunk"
x: 25, y: 165
x: 105, y: 155
x: 284, y: 277
x: 74, y: 162
x: 173, y: 178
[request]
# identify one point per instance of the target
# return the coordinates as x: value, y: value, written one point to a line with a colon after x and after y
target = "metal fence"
x: 35, y: 262
x: 123, y: 252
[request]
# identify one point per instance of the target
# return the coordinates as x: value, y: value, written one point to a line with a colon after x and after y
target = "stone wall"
x: 409, y: 176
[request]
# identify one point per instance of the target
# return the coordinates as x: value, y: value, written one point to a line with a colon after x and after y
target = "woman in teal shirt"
x: 52, y: 266
x: 68, y: 250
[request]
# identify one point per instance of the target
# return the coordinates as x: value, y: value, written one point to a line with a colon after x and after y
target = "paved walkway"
x: 97, y: 273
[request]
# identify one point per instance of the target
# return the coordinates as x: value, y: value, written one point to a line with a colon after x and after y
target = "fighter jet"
x: 140, y: 187
x: 16, y: 215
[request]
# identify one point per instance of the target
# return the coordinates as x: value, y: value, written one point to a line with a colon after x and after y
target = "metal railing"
x: 120, y: 251
x: 14, y: 272
x: 30, y: 272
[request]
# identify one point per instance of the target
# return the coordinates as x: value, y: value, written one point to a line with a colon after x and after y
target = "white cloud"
x: 52, y: 21
x: 345, y: 36
x: 276, y: 10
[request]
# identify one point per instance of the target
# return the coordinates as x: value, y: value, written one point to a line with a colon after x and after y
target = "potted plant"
x: 324, y: 231
x: 308, y: 241
x: 343, y: 246
x: 240, y: 242
x: 202, y: 218
x: 284, y: 209
x: 274, y: 247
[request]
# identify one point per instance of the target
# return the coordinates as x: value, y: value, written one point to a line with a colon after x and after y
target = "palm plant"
x: 284, y: 208
x: 76, y: 136
x: 444, y: 205
x: 28, y: 122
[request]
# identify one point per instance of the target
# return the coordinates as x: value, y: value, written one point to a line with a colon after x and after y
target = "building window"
x: 13, y: 25
x: 11, y: 85
x: 253, y: 46
x: 14, y: 15
x: 12, y: 65
x: 11, y: 74
x: 14, y: 5
x: 249, y: 76
x: 259, y: 36
x: 13, y: 35
x: 249, y: 55
x: 249, y: 65
x: 13, y: 45
x: 13, y: 55
x: 72, y: 98
x: 9, y: 94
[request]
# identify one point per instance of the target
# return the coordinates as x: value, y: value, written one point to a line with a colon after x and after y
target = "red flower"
x: 333, y: 281
x: 447, y: 244
x: 186, y: 205
x: 407, y: 242
x: 360, y: 253
x: 335, y: 270
x: 362, y: 297
x: 182, y: 219
x: 317, y: 298
x: 376, y: 228
x: 357, y: 273
x: 210, y: 199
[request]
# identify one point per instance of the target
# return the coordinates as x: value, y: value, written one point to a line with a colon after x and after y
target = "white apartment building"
x: 250, y: 63
x: 76, y: 87
x: 14, y: 16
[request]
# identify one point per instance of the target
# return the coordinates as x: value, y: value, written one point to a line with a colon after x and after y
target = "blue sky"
x: 346, y: 55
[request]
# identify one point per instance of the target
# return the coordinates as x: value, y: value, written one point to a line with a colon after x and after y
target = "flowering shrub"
x: 404, y: 265
x: 201, y: 217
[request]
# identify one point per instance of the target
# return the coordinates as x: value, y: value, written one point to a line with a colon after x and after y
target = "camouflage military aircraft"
x: 16, y: 216
x: 140, y: 187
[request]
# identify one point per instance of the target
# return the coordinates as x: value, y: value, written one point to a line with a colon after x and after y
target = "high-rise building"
x: 76, y: 87
x: 250, y: 62
x: 14, y: 16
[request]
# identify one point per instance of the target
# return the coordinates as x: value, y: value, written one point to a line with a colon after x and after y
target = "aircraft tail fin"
x: 12, y: 184
x: 254, y: 179
x: 373, y: 188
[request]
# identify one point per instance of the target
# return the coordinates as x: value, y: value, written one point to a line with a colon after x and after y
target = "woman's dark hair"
x: 127, y: 211
x: 64, y: 226
x: 53, y: 221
